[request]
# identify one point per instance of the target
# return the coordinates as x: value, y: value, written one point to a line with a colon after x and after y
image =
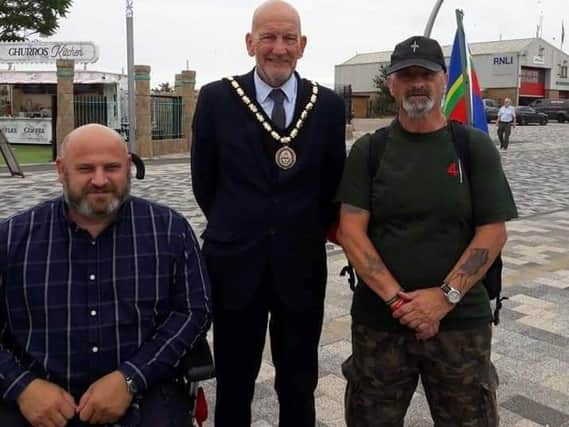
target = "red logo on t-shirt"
x: 452, y: 169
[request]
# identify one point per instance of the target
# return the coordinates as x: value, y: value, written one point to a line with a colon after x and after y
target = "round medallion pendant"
x: 285, y: 158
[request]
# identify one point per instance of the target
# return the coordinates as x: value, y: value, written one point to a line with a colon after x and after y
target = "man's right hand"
x: 45, y: 404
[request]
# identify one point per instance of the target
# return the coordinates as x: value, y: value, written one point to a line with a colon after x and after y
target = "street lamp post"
x: 130, y: 67
x: 431, y: 21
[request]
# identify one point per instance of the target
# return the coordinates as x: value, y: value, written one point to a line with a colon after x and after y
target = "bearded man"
x: 101, y: 296
x: 421, y: 233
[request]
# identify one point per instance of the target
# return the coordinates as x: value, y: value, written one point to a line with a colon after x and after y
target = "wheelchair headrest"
x: 139, y: 164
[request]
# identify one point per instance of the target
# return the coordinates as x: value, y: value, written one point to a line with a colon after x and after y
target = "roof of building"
x: 481, y: 48
x: 50, y: 77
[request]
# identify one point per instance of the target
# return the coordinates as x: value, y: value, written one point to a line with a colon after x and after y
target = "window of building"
x: 530, y: 75
x: 563, y: 73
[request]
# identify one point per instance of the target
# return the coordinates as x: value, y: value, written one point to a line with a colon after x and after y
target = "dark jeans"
x: 504, y: 130
x: 165, y: 405
x: 455, y: 370
x: 239, y: 338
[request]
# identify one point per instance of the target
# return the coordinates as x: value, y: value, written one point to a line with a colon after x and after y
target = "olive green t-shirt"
x: 423, y: 213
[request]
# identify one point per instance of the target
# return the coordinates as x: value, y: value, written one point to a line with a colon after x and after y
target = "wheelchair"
x: 197, y: 365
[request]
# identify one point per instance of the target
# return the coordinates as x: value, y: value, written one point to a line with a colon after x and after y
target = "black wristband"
x: 392, y: 300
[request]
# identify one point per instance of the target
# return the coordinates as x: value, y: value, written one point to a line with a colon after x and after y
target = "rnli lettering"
x: 503, y: 60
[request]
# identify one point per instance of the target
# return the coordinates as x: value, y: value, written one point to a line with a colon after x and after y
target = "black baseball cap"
x: 417, y: 51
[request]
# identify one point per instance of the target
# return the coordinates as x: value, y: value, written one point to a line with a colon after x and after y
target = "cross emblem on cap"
x: 414, y: 46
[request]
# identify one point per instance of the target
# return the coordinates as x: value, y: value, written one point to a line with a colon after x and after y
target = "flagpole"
x: 464, y: 66
x: 562, y: 34
x: 431, y: 21
x: 131, y: 86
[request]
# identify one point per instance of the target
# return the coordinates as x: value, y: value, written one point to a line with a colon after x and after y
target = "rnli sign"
x: 48, y: 52
x: 503, y: 65
x: 503, y: 60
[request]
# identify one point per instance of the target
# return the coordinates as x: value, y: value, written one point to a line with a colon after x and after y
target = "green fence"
x: 91, y: 109
x: 167, y: 117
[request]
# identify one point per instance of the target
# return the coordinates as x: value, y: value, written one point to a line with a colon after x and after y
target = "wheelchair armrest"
x: 198, y: 365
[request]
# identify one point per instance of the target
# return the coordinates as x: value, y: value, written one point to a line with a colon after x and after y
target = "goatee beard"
x: 418, y: 109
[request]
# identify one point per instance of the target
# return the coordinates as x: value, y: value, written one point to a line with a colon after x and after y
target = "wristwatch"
x: 131, y: 385
x: 453, y: 295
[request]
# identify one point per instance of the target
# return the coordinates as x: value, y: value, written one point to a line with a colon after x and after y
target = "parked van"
x: 556, y: 109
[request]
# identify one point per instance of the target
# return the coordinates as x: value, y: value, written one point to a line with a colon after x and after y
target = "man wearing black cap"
x: 421, y: 230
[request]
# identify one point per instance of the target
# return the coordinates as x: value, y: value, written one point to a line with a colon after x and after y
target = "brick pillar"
x: 186, y: 82
x: 143, y: 118
x: 65, y: 111
x: 178, y: 85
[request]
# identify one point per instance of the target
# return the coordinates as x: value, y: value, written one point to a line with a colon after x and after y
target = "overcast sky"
x: 210, y: 34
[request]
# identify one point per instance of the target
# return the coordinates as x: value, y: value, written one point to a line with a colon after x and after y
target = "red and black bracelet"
x: 397, y: 304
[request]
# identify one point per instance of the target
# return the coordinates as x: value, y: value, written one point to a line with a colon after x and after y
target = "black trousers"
x: 239, y: 338
x: 164, y: 405
x: 504, y: 130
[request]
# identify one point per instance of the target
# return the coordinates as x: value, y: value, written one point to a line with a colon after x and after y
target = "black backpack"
x: 461, y: 141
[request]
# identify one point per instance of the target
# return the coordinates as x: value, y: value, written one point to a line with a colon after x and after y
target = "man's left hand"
x: 424, y: 306
x: 106, y: 400
x: 426, y: 330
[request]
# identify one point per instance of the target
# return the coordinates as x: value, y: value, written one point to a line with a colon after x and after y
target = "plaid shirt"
x: 74, y: 308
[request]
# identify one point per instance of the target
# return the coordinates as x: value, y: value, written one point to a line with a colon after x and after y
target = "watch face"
x: 131, y: 386
x: 453, y: 296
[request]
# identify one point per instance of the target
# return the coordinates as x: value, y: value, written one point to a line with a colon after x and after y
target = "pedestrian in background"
x: 505, y: 120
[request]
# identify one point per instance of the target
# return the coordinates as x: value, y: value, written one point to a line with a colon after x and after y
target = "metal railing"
x: 167, y: 117
x: 91, y: 109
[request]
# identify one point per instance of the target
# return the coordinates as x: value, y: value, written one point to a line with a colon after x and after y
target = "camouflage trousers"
x: 455, y: 369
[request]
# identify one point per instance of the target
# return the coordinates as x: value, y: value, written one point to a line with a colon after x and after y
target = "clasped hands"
x: 45, y: 404
x: 423, y: 311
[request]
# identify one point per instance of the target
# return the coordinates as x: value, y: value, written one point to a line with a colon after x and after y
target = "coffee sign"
x: 47, y: 52
x: 26, y: 131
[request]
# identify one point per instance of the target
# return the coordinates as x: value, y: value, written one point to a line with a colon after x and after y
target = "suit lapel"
x: 303, y: 93
x: 261, y: 145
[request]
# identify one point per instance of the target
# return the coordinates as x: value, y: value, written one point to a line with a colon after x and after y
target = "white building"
x: 522, y: 69
x: 28, y: 100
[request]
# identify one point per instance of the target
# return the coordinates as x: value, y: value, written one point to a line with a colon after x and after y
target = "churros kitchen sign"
x: 46, y: 52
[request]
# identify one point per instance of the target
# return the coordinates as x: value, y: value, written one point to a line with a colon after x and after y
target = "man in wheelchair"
x: 104, y: 301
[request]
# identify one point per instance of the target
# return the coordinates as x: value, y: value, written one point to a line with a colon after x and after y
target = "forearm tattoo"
x: 374, y: 264
x: 352, y: 209
x: 475, y: 261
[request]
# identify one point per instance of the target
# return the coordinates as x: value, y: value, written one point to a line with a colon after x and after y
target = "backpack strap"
x: 461, y: 141
x: 376, y: 148
x: 377, y: 143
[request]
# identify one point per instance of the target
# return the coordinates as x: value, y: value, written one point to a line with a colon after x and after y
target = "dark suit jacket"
x: 262, y: 218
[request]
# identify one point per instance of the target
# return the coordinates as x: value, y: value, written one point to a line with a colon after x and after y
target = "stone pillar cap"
x: 65, y: 63
x: 142, y: 69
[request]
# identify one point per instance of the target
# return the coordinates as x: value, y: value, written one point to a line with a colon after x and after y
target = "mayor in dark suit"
x: 267, y: 155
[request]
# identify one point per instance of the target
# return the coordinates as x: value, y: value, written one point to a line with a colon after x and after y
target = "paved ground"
x: 530, y: 346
